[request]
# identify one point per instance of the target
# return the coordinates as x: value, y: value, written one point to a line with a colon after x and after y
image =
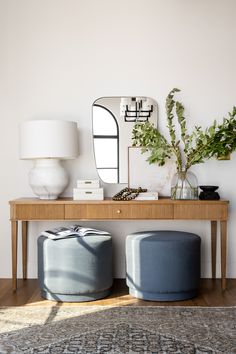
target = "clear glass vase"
x: 184, y: 185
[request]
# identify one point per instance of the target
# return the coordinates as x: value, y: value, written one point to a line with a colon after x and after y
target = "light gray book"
x: 71, y: 231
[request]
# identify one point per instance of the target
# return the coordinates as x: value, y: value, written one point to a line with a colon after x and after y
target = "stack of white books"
x: 88, y: 190
x: 149, y: 195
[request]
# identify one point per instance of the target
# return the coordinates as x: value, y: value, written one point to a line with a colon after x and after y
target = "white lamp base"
x: 48, y: 178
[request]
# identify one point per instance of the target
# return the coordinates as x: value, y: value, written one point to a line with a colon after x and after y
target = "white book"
x: 88, y: 183
x: 88, y: 194
x: 71, y: 231
x: 147, y: 196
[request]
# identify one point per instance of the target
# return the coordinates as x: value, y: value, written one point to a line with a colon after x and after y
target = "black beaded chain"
x: 128, y: 193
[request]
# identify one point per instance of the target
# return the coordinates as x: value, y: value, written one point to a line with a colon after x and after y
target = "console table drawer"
x: 75, y: 211
x: 201, y: 212
x: 132, y: 212
x: 39, y: 212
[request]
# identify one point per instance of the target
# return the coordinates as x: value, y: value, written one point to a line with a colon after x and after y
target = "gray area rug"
x: 162, y: 330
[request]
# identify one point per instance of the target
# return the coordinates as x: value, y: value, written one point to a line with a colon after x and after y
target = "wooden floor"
x: 28, y: 293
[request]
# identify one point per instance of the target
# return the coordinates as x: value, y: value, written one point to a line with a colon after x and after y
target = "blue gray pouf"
x: 76, y: 268
x: 163, y: 265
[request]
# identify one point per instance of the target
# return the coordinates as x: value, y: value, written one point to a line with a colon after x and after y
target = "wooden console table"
x: 26, y: 209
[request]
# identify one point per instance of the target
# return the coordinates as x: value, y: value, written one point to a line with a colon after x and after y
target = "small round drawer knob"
x: 118, y: 211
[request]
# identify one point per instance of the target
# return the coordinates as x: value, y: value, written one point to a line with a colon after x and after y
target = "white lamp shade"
x: 48, y: 139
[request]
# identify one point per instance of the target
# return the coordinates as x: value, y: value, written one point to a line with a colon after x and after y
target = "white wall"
x: 58, y: 56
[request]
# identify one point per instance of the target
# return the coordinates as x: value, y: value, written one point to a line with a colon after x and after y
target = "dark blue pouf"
x: 163, y: 265
x: 75, y: 269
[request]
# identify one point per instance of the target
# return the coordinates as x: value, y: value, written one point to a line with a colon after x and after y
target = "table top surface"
x: 68, y: 200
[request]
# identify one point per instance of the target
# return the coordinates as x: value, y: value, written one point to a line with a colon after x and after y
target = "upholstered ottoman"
x: 75, y: 268
x: 163, y: 265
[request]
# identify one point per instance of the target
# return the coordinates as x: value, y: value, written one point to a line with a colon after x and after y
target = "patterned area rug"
x: 162, y: 330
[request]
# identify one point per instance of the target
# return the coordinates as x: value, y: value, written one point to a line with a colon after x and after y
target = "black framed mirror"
x: 113, y: 122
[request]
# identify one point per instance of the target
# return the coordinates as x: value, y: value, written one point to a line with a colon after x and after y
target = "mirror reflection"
x: 113, y: 122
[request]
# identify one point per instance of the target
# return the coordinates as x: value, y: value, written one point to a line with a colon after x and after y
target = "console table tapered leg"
x: 24, y: 248
x: 14, y: 229
x: 213, y: 248
x: 223, y: 235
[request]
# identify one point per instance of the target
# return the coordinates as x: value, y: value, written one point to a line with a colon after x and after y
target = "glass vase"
x: 184, y: 185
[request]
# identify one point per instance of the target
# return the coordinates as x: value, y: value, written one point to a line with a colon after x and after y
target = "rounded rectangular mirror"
x: 113, y: 122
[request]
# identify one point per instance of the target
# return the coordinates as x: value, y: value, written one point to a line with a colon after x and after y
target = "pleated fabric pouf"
x: 163, y: 265
x: 75, y: 268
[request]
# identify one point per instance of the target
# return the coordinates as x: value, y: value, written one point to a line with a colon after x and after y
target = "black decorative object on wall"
x: 209, y: 193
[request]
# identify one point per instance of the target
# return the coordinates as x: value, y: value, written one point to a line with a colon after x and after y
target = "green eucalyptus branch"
x: 215, y: 141
x: 179, y: 108
x: 170, y: 104
x: 200, y: 145
x: 150, y: 139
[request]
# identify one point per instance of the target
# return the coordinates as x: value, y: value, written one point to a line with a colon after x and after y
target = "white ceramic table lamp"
x: 47, y: 142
